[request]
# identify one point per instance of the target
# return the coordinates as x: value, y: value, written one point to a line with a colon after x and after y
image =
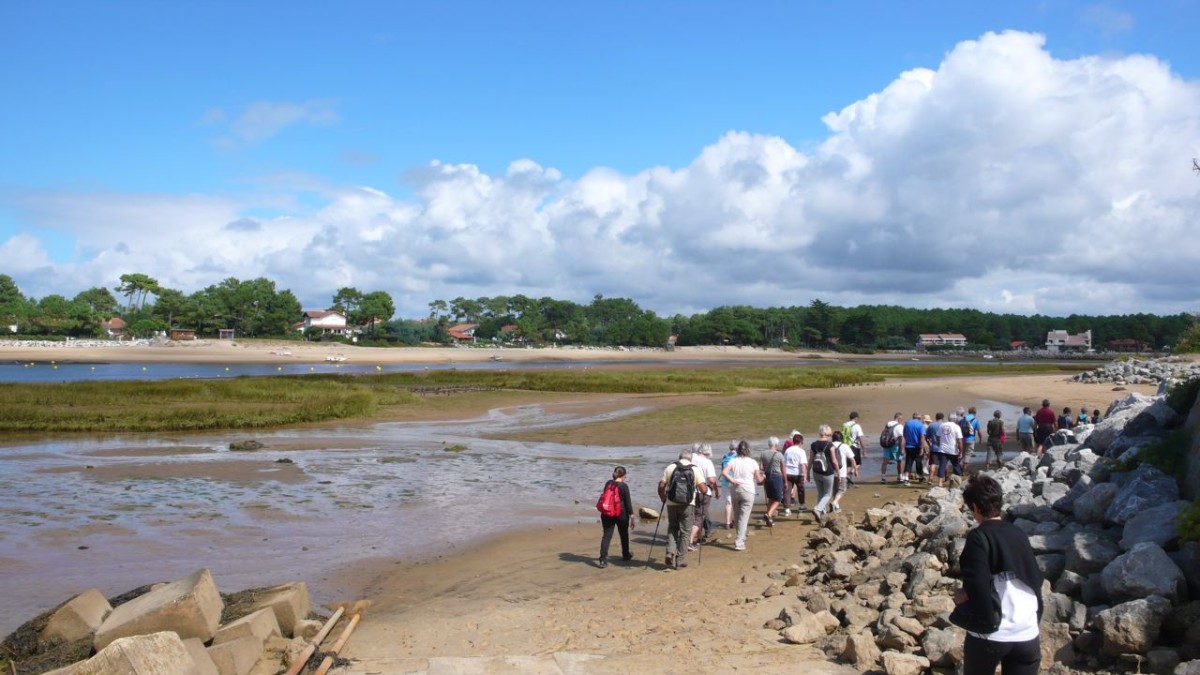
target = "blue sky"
x: 433, y: 150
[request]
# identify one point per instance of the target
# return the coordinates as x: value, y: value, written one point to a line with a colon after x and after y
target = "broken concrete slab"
x: 78, y: 618
x: 152, y: 654
x: 291, y: 605
x: 190, y: 607
x: 204, y: 662
x: 237, y: 656
x: 260, y: 624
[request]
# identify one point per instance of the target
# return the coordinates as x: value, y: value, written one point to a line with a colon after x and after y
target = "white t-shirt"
x: 741, y: 470
x: 706, y: 466
x: 793, y: 457
x: 844, y: 459
x: 948, y: 436
x: 855, y: 433
x: 897, y: 433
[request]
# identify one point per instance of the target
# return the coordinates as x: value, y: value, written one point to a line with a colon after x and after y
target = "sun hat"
x: 928, y: 419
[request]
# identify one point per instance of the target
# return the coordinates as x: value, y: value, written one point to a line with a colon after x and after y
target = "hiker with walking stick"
x: 681, y: 482
x: 744, y: 476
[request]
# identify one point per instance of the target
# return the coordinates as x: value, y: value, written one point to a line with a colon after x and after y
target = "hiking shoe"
x: 787, y: 512
x: 669, y: 560
x: 818, y: 513
x: 680, y: 566
x: 739, y: 547
x: 883, y: 481
x: 837, y: 508
x: 691, y: 547
x: 602, y: 564
x: 627, y: 557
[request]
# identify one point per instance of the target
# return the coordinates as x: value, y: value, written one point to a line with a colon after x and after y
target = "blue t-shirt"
x: 1025, y: 424
x: 913, y: 431
x: 973, y: 423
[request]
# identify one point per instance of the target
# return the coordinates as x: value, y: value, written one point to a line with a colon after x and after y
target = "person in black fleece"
x: 1000, y: 603
x: 622, y: 523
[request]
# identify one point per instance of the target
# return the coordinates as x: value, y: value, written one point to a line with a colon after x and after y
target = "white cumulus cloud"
x: 1004, y: 179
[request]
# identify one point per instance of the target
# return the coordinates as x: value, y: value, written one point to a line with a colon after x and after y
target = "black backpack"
x: 887, y: 437
x: 682, y: 487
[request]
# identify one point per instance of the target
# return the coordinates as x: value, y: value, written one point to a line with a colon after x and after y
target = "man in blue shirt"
x: 969, y: 439
x: 1025, y: 427
x: 914, y: 438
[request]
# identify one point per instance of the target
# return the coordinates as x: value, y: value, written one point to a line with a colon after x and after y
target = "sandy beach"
x: 287, y: 351
x: 530, y: 598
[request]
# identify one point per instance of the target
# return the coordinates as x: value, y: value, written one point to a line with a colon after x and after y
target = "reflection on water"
x: 117, y: 512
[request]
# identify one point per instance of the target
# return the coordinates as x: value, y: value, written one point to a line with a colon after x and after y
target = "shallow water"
x: 116, y: 512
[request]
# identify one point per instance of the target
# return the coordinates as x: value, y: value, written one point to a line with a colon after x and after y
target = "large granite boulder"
x: 1146, y: 488
x: 1092, y: 504
x: 1143, y: 571
x: 1155, y: 524
x: 1132, y: 627
x: 1089, y: 552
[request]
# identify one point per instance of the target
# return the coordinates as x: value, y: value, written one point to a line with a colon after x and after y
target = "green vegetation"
x: 261, y: 402
x: 1189, y: 341
x: 1182, y: 396
x: 1188, y: 523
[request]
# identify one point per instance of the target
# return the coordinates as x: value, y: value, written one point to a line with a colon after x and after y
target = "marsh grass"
x: 263, y: 402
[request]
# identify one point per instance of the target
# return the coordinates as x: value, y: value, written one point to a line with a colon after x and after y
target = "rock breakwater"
x: 1122, y: 593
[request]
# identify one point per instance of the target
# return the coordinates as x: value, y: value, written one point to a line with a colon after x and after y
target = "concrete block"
x: 236, y: 657
x: 307, y: 629
x: 290, y: 603
x: 77, y: 619
x: 204, y: 662
x: 260, y: 624
x: 153, y: 654
x: 190, y: 607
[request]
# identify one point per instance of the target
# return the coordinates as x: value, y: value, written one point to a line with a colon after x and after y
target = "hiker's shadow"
x: 569, y: 557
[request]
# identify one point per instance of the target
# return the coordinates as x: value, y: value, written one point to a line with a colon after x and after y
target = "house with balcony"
x: 950, y: 340
x: 328, y: 321
x: 1060, y: 341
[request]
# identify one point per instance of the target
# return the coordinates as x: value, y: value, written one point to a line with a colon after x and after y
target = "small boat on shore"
x: 335, y: 358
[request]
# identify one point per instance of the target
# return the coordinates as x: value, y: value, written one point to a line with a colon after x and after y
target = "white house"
x: 941, y: 340
x: 326, y: 321
x: 1062, y: 341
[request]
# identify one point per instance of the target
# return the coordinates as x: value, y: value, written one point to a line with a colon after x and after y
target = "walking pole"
x: 654, y: 540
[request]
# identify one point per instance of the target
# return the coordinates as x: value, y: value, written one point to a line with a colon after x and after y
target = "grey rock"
x: 1143, y: 571
x: 1092, y: 504
x: 861, y: 652
x: 1068, y: 583
x: 1050, y: 543
x: 1051, y: 565
x: 1187, y: 558
x: 1156, y: 524
x: 1187, y: 668
x: 1132, y: 627
x: 1147, y: 487
x: 895, y: 663
x: 1092, y: 592
x: 944, y: 646
x: 1090, y: 553
x: 1056, y: 644
x: 1162, y: 661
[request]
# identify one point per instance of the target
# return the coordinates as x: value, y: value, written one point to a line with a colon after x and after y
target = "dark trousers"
x: 797, y: 482
x: 912, y: 460
x: 620, y: 522
x: 980, y: 657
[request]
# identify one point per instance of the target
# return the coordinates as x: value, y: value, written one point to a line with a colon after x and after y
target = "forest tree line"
x: 256, y: 308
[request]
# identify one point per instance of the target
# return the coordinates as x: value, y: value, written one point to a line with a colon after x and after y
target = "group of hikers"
x: 927, y: 449
x: 924, y: 449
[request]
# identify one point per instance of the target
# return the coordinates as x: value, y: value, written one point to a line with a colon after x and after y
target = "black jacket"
x: 995, y: 546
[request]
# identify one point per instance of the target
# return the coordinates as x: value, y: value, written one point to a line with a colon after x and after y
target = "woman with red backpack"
x: 616, y: 510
